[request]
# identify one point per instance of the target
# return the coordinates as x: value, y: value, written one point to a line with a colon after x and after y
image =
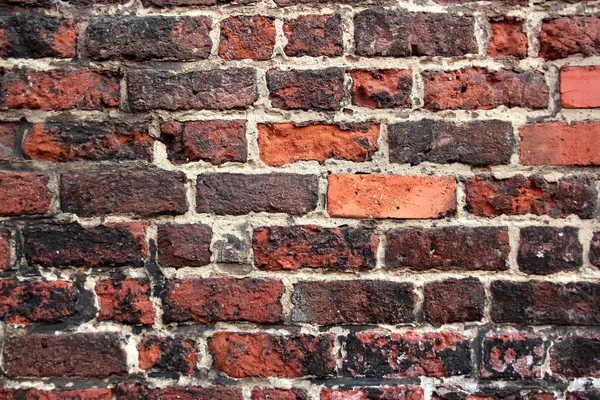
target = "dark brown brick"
x: 311, y: 246
x: 6, y: 262
x: 306, y: 89
x: 126, y: 301
x: 353, y: 302
x: 512, y: 356
x: 494, y: 393
x: 588, y: 394
x: 407, y: 354
x: 111, y: 245
x: 576, y: 357
x: 149, y: 38
x: 238, y: 194
x: 453, y: 300
x: 36, y: 36
x: 374, y: 393
x: 217, y: 89
x: 314, y: 36
x: 28, y: 301
x: 286, y: 3
x: 383, y: 88
x: 24, y: 193
x: 88, y: 141
x: 247, y: 37
x: 242, y: 355
x: 223, y: 299
x: 93, y: 355
x: 379, y: 32
x: 185, y: 245
x: 8, y: 140
x: 279, y: 394
x: 168, y: 354
x: 448, y: 248
x: 142, y: 193
x: 216, y: 142
x: 594, y: 249
x: 34, y: 394
x: 139, y: 392
x: 565, y: 36
x: 545, y: 303
x: 546, y: 250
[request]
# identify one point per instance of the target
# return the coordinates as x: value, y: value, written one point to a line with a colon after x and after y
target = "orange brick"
x: 580, y: 87
x: 387, y: 196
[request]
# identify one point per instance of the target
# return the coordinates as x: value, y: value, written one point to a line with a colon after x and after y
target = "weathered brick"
x: 58, y: 89
x: 512, y: 356
x: 184, y: 245
x: 167, y: 354
x: 314, y: 36
x: 580, y: 86
x: 139, y: 392
x: 216, y: 142
x: 68, y: 3
x: 562, y: 37
x: 408, y: 354
x: 507, y: 39
x: 595, y: 249
x: 546, y: 250
x: 28, y: 301
x: 223, y: 299
x: 286, y: 3
x: 5, y: 251
x: 149, y: 38
x: 35, y: 394
x: 143, y: 193
x: 245, y: 37
x: 111, y: 245
x: 285, y: 143
x: 379, y: 32
x: 474, y: 143
x: 453, y: 300
x: 545, y: 303
x: 353, y: 302
x: 475, y: 88
x: 576, y: 357
x: 243, y: 355
x: 311, y: 246
x: 494, y: 393
x: 383, y: 88
x: 518, y: 195
x: 88, y: 141
x: 390, y: 196
x: 374, y: 393
x: 557, y: 143
x: 588, y: 394
x: 448, y: 248
x: 502, y: 2
x: 8, y: 140
x: 126, y: 301
x: 24, y: 193
x: 306, y: 89
x: 279, y: 394
x: 93, y: 355
x: 211, y: 90
x: 37, y: 36
x: 238, y: 194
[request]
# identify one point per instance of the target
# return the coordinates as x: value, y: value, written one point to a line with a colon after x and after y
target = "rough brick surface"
x: 512, y: 356
x: 278, y: 394
x: 127, y: 301
x: 453, y: 300
x: 34, y: 394
x: 546, y: 250
x: 579, y: 87
x: 168, y: 354
x: 24, y: 193
x: 384, y: 88
x: 306, y: 89
x: 589, y: 394
x: 595, y: 249
x: 507, y: 39
x: 374, y: 393
x: 247, y: 37
x: 5, y: 250
x: 313, y: 35
x: 37, y: 36
x: 562, y: 37
x: 184, y: 245
x: 576, y: 356
x: 8, y: 139
x: 139, y: 392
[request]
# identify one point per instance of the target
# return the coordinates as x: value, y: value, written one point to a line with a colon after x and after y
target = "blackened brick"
x: 576, y: 357
x: 168, y: 354
x: 314, y: 36
x: 306, y: 89
x: 126, y: 301
x: 546, y: 250
x: 512, y: 356
x: 36, y: 36
x: 453, y: 300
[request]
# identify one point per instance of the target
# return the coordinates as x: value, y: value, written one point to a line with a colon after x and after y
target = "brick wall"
x: 299, y: 199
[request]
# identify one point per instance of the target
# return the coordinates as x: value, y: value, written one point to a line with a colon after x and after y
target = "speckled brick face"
x: 299, y: 200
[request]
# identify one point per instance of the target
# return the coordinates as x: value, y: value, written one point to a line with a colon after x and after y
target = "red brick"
x: 88, y: 141
x: 547, y: 250
x: 28, y: 301
x: 494, y: 2
x: 306, y: 89
x: 453, y: 300
x: 111, y: 245
x: 588, y: 394
x: 512, y: 356
x: 142, y: 193
x: 149, y: 38
x: 279, y: 248
x: 5, y: 251
x: 557, y: 143
x: 579, y: 87
x: 139, y: 392
x: 390, y: 196
x: 216, y: 142
x: 562, y: 37
x: 361, y: 302
x: 407, y: 354
x: 507, y: 39
x: 223, y: 299
x: 244, y: 355
x: 314, y: 36
x: 245, y: 37
x: 57, y: 90
x: 374, y: 393
x: 518, y: 195
x: 545, y: 303
x: 126, y: 301
x: 379, y: 32
x: 92, y: 355
x: 384, y: 88
x: 576, y: 357
x: 493, y: 393
x: 167, y: 355
x: 36, y: 36
x: 8, y: 140
x: 595, y: 249
x: 24, y: 193
x: 285, y: 143
x: 279, y: 394
x: 478, y: 89
x: 239, y: 194
x: 233, y: 88
x: 186, y: 245
x: 286, y: 3
x: 34, y: 394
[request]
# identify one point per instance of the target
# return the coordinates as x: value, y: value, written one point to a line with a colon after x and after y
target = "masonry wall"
x: 298, y: 199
